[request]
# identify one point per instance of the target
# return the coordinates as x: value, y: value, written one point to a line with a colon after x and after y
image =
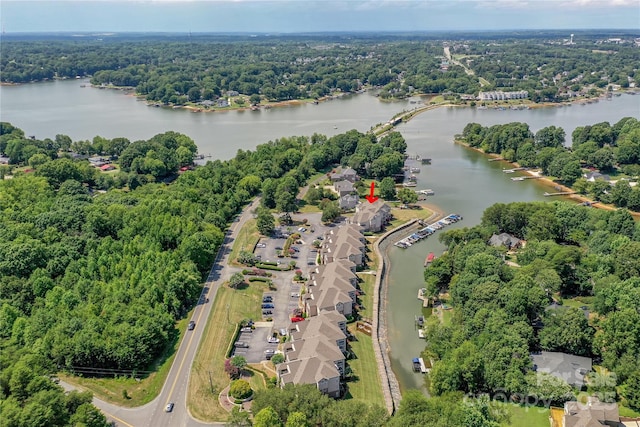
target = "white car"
x: 273, y: 340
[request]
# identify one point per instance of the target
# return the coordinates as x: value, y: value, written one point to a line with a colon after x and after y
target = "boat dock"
x: 560, y: 193
x: 513, y: 170
x: 422, y: 297
x: 425, y: 232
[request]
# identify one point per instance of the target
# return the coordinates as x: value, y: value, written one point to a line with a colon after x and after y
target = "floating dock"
x: 425, y: 232
x: 560, y: 193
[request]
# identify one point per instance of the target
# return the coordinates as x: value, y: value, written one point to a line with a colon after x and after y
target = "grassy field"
x: 230, y: 307
x: 246, y: 241
x: 366, y: 300
x: 529, y: 416
x: 400, y: 216
x: 137, y: 393
x: 367, y: 388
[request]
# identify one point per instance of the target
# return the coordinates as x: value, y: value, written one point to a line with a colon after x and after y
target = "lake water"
x: 463, y: 180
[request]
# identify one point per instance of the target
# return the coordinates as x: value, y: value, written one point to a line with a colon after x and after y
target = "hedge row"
x: 272, y: 267
x: 259, y: 279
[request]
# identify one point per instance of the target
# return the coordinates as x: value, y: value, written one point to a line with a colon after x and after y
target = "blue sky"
x: 286, y: 16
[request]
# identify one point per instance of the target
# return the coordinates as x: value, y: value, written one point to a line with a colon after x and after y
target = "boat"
x: 518, y: 178
x: 415, y: 170
x: 426, y: 192
x: 416, y: 364
x: 421, y: 334
x: 410, y: 184
x: 429, y: 259
x: 420, y: 321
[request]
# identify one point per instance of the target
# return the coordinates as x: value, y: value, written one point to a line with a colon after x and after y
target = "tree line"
x: 179, y: 69
x: 610, y: 149
x: 502, y: 313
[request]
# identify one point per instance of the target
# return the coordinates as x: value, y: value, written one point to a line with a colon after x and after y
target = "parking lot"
x: 286, y: 297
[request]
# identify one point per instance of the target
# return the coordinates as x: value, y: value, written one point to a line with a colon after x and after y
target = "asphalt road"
x: 176, y: 385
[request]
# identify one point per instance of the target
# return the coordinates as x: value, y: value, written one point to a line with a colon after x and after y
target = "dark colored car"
x: 268, y: 298
x: 192, y: 325
x: 268, y: 306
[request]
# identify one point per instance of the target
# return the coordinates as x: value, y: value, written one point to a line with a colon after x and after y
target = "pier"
x: 425, y: 232
x: 560, y: 193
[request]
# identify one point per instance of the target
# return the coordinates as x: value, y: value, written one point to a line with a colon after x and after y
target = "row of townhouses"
x: 316, y: 351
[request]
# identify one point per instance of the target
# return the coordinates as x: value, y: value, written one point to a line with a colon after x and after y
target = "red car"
x: 297, y: 319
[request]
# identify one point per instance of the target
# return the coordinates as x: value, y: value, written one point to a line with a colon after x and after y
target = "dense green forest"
x: 611, y: 149
x: 99, y: 278
x: 570, y: 251
x: 180, y: 69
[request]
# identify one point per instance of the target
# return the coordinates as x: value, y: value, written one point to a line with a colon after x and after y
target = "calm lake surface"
x: 463, y: 180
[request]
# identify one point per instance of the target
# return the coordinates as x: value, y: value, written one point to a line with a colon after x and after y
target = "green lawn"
x: 527, y: 416
x: 246, y: 241
x: 366, y: 300
x: 367, y: 388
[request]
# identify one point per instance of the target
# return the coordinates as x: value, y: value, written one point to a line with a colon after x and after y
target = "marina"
x: 425, y: 232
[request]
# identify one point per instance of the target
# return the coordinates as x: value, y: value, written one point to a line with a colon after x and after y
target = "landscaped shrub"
x: 266, y: 263
x: 259, y: 279
x: 240, y: 389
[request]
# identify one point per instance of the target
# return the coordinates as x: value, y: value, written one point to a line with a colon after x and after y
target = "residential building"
x: 372, y: 216
x: 343, y: 187
x: 343, y: 245
x: 348, y: 202
x: 570, y: 368
x: 328, y: 297
x: 506, y: 240
x: 592, y: 413
x: 320, y: 347
x: 314, y: 370
x: 326, y: 324
x: 342, y: 268
x: 596, y: 176
x: 347, y: 174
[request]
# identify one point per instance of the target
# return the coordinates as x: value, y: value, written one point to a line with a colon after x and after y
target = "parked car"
x: 297, y: 319
x: 241, y: 344
x: 268, y: 354
x: 273, y: 340
x: 302, y: 229
x: 267, y: 312
x: 192, y: 325
x: 267, y: 298
x: 169, y: 407
x: 295, y: 295
x: 295, y: 249
x: 268, y: 306
x: 283, y: 332
x: 246, y: 329
x: 261, y: 245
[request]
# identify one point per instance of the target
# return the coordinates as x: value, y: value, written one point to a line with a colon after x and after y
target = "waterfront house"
x: 593, y: 412
x: 343, y: 246
x: 596, y: 176
x: 343, y: 268
x: 372, y: 216
x: 330, y: 297
x: 314, y: 370
x: 328, y: 324
x: 320, y: 347
x: 506, y: 240
x: 572, y: 369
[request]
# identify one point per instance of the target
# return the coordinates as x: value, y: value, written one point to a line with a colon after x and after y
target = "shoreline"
x: 546, y: 181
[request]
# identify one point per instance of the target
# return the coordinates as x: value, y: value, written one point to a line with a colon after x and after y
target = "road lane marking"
x: 117, y: 419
